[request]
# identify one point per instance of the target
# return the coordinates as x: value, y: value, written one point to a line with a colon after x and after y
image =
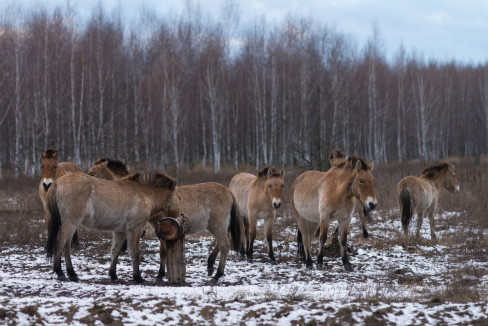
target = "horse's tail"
x: 235, y: 227
x: 301, y: 250
x: 55, y: 224
x: 405, y: 205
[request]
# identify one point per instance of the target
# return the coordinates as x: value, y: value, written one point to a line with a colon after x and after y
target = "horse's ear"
x: 270, y: 172
x: 451, y: 167
x: 55, y: 155
x: 358, y: 165
x: 176, y: 183
x: 371, y: 166
x: 104, y: 164
x: 282, y: 173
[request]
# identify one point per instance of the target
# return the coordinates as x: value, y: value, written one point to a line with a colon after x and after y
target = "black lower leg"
x: 59, y: 271
x: 72, y: 274
x: 308, y: 263
x: 218, y: 275
x: 113, y: 275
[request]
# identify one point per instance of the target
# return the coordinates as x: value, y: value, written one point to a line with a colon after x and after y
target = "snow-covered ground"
x: 429, y: 283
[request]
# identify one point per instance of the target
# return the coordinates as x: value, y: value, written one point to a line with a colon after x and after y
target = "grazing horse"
x: 121, y: 206
x: 258, y: 196
x: 208, y: 206
x: 320, y: 197
x: 211, y: 206
x: 51, y: 170
x: 337, y: 157
x: 420, y: 194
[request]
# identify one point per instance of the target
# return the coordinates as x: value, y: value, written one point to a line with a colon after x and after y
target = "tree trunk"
x: 172, y: 231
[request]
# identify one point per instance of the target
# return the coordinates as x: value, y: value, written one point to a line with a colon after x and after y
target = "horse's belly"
x: 309, y: 212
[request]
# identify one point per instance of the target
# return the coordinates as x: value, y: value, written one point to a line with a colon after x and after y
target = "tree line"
x: 195, y: 90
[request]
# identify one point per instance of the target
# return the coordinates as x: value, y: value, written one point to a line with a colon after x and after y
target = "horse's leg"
x: 223, y: 246
x: 343, y: 228
x: 419, y: 222
x: 268, y: 229
x: 64, y: 238
x: 362, y: 217
x: 307, y: 230
x: 162, y: 260
x: 324, y: 228
x: 117, y: 242
x: 431, y: 221
x: 67, y: 255
x: 252, y: 237
x: 133, y: 239
x: 244, y: 235
x: 211, y: 259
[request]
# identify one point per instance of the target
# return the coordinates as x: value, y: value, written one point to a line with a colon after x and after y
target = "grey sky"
x: 439, y: 29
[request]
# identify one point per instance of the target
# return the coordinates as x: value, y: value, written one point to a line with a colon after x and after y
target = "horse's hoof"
x: 274, y: 262
x: 160, y: 277
x: 249, y: 260
x: 138, y: 279
x: 320, y: 266
x: 62, y: 278
x: 365, y: 234
x: 310, y: 267
x: 210, y: 271
x: 349, y: 268
x: 74, y: 278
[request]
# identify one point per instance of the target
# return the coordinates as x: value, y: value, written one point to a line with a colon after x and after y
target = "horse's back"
x: 206, y: 205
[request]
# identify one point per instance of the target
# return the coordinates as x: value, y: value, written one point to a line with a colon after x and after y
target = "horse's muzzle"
x: 277, y: 205
x: 46, y: 186
x: 371, y: 206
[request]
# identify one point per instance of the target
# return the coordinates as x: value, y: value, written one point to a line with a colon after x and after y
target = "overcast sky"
x: 439, y: 29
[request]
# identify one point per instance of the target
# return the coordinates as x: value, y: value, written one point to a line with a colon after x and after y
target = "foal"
x: 420, y: 194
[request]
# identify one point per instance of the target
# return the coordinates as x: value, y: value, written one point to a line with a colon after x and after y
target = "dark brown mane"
x: 434, y: 170
x: 155, y: 179
x: 336, y: 153
x: 50, y: 153
x: 351, y: 162
x: 116, y: 166
x: 264, y: 172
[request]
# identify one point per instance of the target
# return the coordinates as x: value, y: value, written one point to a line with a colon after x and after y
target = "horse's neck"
x: 346, y: 178
x: 436, y: 183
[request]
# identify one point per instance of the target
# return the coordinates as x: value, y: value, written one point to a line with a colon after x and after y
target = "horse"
x: 121, y: 206
x: 320, y: 197
x: 337, y: 157
x: 211, y: 206
x: 258, y: 197
x: 420, y: 194
x: 51, y: 170
x: 208, y: 206
x: 109, y: 169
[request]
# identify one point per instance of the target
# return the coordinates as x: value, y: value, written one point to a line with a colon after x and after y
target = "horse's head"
x: 450, y: 183
x: 274, y: 184
x: 108, y: 169
x: 444, y: 175
x: 163, y: 190
x: 336, y: 157
x: 49, y: 166
x: 362, y: 186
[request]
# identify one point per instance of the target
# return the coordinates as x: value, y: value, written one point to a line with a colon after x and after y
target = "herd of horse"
x: 110, y: 198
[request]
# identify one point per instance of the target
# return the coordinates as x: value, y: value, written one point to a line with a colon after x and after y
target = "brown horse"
x: 337, y: 157
x: 320, y: 197
x: 420, y: 194
x: 108, y: 169
x: 258, y: 196
x: 122, y: 206
x: 51, y: 170
x: 208, y: 206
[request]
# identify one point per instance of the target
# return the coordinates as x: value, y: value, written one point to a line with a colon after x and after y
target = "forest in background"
x: 194, y: 90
